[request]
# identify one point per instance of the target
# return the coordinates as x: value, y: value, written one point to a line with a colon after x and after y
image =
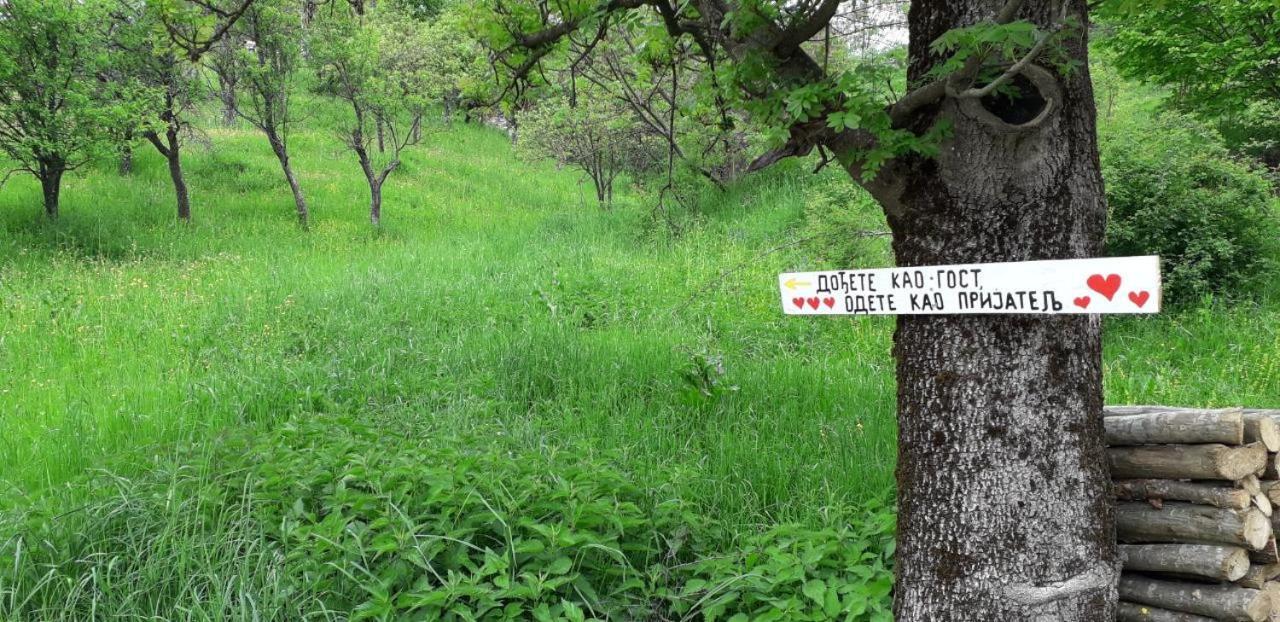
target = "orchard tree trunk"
x: 1002, y: 478
x: 51, y: 186
x: 227, y: 94
x: 282, y: 154
x: 375, y: 203
x: 126, y: 167
x: 375, y: 181
x: 173, y: 155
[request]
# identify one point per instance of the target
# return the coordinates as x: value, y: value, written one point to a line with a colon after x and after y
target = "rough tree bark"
x: 1004, y: 509
x: 1002, y: 480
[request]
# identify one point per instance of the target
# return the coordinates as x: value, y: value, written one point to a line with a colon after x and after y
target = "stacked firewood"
x: 1196, y: 514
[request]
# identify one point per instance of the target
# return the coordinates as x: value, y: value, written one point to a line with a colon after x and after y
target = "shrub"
x: 597, y: 136
x: 1175, y: 192
x: 330, y: 519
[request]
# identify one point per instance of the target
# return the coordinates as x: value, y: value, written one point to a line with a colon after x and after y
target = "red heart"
x: 1082, y: 302
x: 1106, y: 286
x: 1139, y: 298
x: 813, y: 302
x: 799, y: 302
x: 830, y: 302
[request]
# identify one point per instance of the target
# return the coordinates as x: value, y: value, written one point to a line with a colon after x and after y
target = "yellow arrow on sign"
x: 792, y: 283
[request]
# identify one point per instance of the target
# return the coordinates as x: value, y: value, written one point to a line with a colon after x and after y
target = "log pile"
x: 1196, y: 491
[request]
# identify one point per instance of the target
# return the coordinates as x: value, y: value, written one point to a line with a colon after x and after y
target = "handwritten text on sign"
x: 1103, y: 285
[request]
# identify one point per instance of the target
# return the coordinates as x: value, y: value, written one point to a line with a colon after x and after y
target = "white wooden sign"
x: 1102, y: 285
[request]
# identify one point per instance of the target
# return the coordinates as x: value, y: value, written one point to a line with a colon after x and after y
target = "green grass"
x: 496, y: 306
x: 485, y: 299
x: 493, y: 294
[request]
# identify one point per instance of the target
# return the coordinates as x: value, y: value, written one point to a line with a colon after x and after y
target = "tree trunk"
x: 374, y: 181
x: 282, y: 154
x: 174, y: 156
x: 1004, y: 510
x: 1131, y: 612
x: 51, y: 187
x: 1220, y: 602
x: 1214, y: 461
x: 227, y: 94
x: 126, y: 160
x: 1218, y: 496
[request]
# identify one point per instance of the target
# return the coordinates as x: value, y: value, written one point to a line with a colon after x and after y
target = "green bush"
x: 1174, y: 191
x: 330, y: 519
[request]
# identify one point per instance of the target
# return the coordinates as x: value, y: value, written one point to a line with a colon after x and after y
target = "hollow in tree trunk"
x: 1002, y: 480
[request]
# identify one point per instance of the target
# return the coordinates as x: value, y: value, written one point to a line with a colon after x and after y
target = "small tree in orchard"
x: 990, y: 155
x: 265, y: 69
x: 597, y: 136
x: 149, y: 59
x: 671, y: 96
x: 55, y: 111
x: 372, y: 60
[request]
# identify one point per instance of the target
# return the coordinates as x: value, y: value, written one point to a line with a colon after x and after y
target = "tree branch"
x: 797, y: 34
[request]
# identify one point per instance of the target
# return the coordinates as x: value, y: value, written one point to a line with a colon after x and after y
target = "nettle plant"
x: 333, y: 517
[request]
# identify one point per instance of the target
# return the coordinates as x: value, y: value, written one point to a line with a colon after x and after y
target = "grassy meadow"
x: 175, y: 400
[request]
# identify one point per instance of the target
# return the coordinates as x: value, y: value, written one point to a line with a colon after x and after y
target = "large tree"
x: 990, y: 156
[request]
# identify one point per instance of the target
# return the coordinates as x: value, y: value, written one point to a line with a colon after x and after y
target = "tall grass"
x: 492, y: 294
x: 495, y: 293
x: 496, y: 305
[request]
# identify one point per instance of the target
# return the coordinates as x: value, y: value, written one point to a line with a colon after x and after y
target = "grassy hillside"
x: 493, y: 295
x: 497, y: 312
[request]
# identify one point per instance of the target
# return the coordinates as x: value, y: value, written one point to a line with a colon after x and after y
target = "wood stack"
x: 1195, y: 491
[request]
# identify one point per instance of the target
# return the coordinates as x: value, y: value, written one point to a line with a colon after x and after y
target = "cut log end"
x: 1262, y: 428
